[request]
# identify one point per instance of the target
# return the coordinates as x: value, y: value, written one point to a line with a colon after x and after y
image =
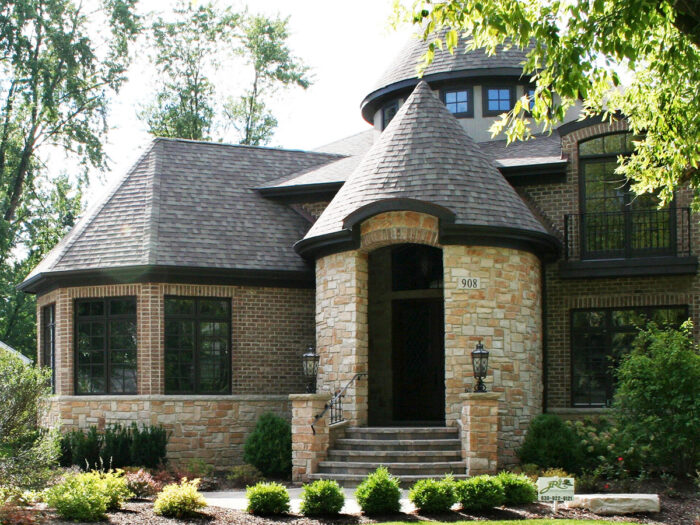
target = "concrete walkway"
x: 235, y: 499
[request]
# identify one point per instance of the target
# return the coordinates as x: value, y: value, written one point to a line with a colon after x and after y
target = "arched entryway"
x: 406, y: 336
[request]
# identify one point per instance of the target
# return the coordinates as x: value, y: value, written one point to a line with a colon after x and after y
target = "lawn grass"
x: 510, y: 522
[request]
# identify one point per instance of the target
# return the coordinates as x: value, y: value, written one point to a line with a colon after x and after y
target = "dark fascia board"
x: 545, y: 246
x: 377, y: 97
x: 302, y: 192
x: 637, y: 267
x: 535, y: 173
x: 374, y: 208
x: 45, y: 282
x: 575, y: 125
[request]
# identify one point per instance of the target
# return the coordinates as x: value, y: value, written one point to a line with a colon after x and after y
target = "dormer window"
x: 388, y: 113
x: 498, y: 99
x: 459, y: 102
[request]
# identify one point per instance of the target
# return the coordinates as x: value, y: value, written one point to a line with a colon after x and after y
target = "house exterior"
x: 188, y: 296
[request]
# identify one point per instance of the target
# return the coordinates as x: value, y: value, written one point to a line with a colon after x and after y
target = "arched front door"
x: 407, y: 332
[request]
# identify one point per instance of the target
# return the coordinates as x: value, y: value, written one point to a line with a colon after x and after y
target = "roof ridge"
x: 151, y: 224
x: 90, y: 214
x: 246, y: 146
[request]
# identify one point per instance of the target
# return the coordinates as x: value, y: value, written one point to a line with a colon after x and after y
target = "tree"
x: 581, y: 50
x: 187, y: 51
x: 56, y: 83
x: 266, y: 50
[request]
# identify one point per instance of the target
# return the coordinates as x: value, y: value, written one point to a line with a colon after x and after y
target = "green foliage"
x: 518, y: 488
x: 549, y: 442
x: 379, y: 493
x: 244, y: 476
x: 267, y: 499
x: 480, y: 492
x: 657, y: 396
x: 114, y: 485
x: 581, y: 51
x: 141, y: 483
x: 269, y: 446
x: 118, y: 446
x: 322, y: 498
x: 79, y: 497
x: 186, y: 51
x: 432, y: 496
x: 180, y: 501
x: 27, y: 453
x: 265, y: 49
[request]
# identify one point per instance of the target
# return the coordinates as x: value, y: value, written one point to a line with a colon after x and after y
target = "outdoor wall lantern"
x: 309, y: 363
x: 480, y: 362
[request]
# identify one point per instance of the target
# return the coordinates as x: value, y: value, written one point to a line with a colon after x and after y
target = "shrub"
x: 79, y: 497
x: 379, y: 493
x: 114, y: 485
x: 180, y: 501
x: 429, y: 495
x: 244, y: 476
x: 549, y: 442
x: 141, y: 483
x: 83, y: 448
x: 116, y: 447
x: 657, y: 396
x: 322, y: 498
x: 518, y: 488
x: 480, y: 493
x: 27, y: 453
x: 148, y: 445
x: 267, y: 499
x: 269, y: 446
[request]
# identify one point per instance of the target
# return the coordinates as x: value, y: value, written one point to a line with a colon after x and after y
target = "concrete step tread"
x: 399, y: 442
x: 405, y: 479
x: 414, y: 430
x: 392, y: 464
x: 382, y: 453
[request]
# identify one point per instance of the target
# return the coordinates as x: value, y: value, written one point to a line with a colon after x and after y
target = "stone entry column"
x: 308, y: 448
x: 480, y: 431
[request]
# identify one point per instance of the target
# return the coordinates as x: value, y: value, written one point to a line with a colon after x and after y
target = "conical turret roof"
x: 425, y: 157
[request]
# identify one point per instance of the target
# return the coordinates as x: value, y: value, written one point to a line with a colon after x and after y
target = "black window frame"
x: 485, y: 99
x: 105, y: 318
x: 574, y: 335
x: 393, y: 104
x: 48, y: 341
x: 196, y: 356
x: 624, y: 219
x: 470, y: 100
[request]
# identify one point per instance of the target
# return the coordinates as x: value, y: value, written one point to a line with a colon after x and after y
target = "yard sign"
x: 555, y: 490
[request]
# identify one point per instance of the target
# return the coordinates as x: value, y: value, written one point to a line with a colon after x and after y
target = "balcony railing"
x: 628, y: 234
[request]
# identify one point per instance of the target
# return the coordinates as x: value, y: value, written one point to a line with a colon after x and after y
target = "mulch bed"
x: 682, y: 509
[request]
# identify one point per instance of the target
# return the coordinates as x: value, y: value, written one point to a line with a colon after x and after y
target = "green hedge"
x: 116, y: 447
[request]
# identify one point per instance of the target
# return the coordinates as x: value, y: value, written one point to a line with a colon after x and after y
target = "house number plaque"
x: 468, y: 283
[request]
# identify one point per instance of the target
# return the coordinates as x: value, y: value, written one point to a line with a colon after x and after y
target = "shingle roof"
x: 405, y: 65
x: 191, y: 204
x: 425, y: 154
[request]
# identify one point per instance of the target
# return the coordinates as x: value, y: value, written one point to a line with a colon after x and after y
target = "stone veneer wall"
x: 505, y: 313
x: 271, y: 328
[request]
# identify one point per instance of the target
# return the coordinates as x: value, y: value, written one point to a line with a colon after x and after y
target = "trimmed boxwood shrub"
x: 480, y: 493
x: 266, y: 499
x: 269, y: 446
x: 432, y: 496
x: 379, y: 493
x: 322, y: 498
x: 551, y: 443
x: 518, y: 488
x: 180, y: 501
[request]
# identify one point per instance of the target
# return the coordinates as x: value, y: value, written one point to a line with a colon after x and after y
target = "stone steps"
x: 410, y: 453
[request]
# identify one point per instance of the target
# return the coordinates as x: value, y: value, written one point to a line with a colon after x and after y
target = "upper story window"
x: 531, y: 98
x: 388, y: 112
x: 459, y: 102
x: 616, y: 223
x: 497, y: 99
x: 197, y: 345
x: 48, y: 341
x: 105, y: 346
x: 599, y: 338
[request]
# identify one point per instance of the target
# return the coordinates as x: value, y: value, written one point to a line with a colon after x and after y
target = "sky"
x: 346, y: 44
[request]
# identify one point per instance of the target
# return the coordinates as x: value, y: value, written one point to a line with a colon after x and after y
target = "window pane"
x: 214, y: 358
x: 175, y: 306
x: 213, y: 308
x: 91, y: 308
x: 90, y: 345
x: 451, y: 97
x: 122, y: 306
x: 498, y: 99
x: 122, y: 344
x: 179, y: 356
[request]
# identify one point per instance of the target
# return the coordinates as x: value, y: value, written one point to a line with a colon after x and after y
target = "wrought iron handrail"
x: 335, y: 404
x: 629, y: 233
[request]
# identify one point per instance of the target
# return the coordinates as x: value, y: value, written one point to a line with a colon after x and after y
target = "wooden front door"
x: 418, y: 361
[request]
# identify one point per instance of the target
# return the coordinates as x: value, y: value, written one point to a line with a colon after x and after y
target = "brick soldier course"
x: 304, y: 244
